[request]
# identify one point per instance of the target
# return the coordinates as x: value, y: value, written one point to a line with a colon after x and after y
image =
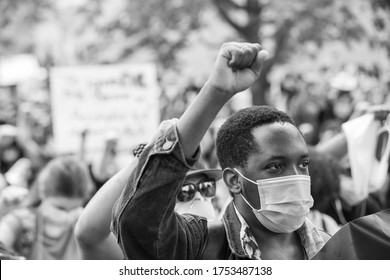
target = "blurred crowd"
x: 43, y: 194
x: 320, y: 102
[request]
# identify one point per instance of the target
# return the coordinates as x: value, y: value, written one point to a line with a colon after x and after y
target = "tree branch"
x: 229, y: 4
x: 223, y: 12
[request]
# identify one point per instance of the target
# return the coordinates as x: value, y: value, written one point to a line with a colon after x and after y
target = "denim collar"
x: 233, y: 227
x: 310, y: 238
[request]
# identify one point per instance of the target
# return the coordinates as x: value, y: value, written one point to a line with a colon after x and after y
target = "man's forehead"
x: 275, y: 128
x: 278, y: 137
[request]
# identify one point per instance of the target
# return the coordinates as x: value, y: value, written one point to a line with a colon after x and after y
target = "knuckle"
x: 226, y: 45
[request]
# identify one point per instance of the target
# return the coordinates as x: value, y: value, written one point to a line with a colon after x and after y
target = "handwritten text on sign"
x: 120, y: 99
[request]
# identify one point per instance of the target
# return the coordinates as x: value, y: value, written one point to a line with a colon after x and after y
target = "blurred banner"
x: 366, y: 238
x: 106, y: 101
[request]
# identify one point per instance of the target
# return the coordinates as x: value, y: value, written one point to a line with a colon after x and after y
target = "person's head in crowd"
x: 325, y: 180
x: 289, y: 85
x: 198, y: 189
x: 7, y: 135
x: 65, y: 182
x: 10, y: 151
x: 309, y: 133
x: 265, y: 161
x: 19, y: 173
x: 11, y: 197
x: 343, y: 105
x: 329, y: 129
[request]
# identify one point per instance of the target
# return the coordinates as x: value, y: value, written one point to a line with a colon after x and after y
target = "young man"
x: 260, y: 143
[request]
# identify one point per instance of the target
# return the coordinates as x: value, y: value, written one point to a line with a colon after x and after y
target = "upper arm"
x: 93, y: 225
x: 106, y: 249
x: 335, y: 146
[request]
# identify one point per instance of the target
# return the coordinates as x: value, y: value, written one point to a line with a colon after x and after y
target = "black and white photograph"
x: 160, y: 139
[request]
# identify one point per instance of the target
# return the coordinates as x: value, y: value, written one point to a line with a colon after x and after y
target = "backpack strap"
x: 216, y: 245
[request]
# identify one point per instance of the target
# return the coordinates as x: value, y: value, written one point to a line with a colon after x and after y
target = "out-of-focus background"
x: 74, y: 67
x: 93, y: 78
x: 77, y: 75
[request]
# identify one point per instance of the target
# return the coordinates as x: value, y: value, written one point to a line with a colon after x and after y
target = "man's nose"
x: 198, y: 195
x: 295, y: 170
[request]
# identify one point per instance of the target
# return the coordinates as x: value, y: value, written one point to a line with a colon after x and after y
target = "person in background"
x: 11, y: 197
x: 357, y: 201
x: 197, y: 192
x: 17, y: 142
x: 46, y: 231
x: 325, y: 189
x: 365, y: 238
x: 106, y: 166
x: 92, y: 231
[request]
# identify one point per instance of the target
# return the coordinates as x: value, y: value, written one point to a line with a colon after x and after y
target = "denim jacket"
x: 146, y: 225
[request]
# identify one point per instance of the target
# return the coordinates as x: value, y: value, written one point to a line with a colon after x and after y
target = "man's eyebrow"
x: 282, y: 157
x: 274, y: 158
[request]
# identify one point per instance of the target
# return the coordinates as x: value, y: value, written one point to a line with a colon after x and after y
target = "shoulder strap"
x: 216, y: 246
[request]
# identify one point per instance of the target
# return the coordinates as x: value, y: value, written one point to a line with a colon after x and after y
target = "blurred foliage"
x: 382, y: 4
x: 381, y: 21
x: 102, y: 31
x: 159, y: 26
x: 288, y: 25
x: 17, y: 17
x: 98, y: 31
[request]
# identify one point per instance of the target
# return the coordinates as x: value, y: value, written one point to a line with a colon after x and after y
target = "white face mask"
x: 284, y: 202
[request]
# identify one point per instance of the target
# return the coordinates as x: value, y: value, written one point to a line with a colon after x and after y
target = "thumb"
x: 259, y: 61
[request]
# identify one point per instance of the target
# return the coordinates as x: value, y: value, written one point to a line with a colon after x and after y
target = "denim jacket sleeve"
x: 144, y: 220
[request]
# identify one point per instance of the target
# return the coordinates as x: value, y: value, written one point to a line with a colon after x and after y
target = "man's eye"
x: 304, y: 164
x: 275, y: 166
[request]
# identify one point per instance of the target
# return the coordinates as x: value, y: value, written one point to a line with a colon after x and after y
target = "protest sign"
x: 104, y: 100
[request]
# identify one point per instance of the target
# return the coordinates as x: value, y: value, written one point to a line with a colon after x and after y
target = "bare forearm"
x: 237, y: 67
x: 336, y: 146
x: 194, y: 123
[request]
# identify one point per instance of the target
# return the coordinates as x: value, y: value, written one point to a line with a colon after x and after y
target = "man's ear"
x: 231, y: 179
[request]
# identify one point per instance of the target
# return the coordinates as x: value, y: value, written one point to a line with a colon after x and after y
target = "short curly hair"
x: 235, y: 140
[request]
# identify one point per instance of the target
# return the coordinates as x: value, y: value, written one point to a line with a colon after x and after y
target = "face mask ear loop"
x: 249, y: 180
x: 246, y: 201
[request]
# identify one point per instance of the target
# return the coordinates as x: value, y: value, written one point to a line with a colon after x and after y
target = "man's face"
x: 199, y: 204
x: 281, y: 152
